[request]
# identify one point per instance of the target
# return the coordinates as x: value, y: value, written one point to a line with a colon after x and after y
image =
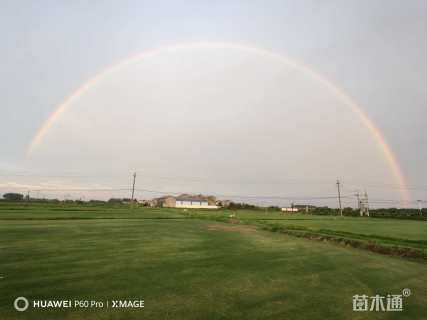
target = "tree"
x: 13, y: 196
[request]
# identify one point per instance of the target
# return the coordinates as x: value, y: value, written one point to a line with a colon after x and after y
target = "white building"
x: 290, y: 209
x: 195, y: 202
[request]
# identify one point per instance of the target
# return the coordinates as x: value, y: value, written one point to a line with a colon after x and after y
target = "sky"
x: 216, y: 118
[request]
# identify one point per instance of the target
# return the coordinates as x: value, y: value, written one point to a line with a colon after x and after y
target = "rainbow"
x: 345, y: 98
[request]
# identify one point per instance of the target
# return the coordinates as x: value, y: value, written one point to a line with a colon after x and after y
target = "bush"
x: 13, y: 196
x: 238, y: 206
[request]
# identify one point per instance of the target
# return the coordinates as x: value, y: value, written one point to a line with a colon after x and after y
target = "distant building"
x: 290, y: 209
x: 191, y: 202
x: 166, y: 201
x: 307, y: 208
x: 185, y: 201
x: 299, y: 207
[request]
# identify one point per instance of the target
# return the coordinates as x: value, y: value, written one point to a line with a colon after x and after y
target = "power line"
x: 251, y: 196
x: 210, y: 180
x: 177, y: 193
x: 340, y: 197
x: 75, y: 189
x: 220, y: 195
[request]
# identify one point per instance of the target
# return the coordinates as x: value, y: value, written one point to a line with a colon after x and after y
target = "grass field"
x: 405, y: 233
x: 406, y: 229
x: 190, y: 268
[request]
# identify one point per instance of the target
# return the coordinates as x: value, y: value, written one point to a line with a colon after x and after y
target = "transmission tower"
x: 359, y: 207
x: 364, y: 205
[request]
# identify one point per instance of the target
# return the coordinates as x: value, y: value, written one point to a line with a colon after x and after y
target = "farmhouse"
x: 186, y: 201
x: 192, y: 202
x: 166, y: 201
x: 292, y: 209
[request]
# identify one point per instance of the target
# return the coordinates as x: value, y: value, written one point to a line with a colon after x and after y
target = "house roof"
x: 163, y: 198
x: 191, y: 198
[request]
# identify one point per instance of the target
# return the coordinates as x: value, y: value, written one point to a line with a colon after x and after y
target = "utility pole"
x: 133, y: 186
x: 339, y: 196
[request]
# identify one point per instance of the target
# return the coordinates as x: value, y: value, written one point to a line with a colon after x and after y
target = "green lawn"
x: 192, y: 269
x: 60, y: 211
x: 397, y: 228
x: 407, y: 233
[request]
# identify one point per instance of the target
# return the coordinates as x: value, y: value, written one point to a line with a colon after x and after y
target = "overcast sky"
x: 372, y: 50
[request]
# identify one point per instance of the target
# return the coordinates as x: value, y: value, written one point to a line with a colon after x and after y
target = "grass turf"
x: 192, y: 269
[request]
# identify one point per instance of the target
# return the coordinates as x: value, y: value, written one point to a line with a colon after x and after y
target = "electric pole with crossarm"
x: 133, y: 186
x: 339, y: 196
